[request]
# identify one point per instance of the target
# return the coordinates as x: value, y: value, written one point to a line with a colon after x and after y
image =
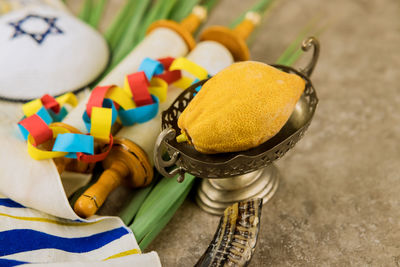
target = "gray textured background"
x: 338, y: 203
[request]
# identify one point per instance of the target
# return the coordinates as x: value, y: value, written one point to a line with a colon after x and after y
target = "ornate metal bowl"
x: 225, y: 165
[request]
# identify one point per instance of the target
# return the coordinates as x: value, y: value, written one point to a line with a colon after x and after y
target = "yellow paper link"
x: 39, y: 154
x: 32, y: 107
x: 185, y: 64
x: 121, y: 97
x: 159, y: 88
x: 127, y: 88
x: 68, y: 98
x: 183, y: 82
x: 101, y: 120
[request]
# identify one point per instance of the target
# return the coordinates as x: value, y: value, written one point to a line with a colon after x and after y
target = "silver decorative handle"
x: 160, y: 163
x: 311, y: 42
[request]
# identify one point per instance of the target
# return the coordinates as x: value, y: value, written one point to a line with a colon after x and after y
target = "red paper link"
x: 39, y: 130
x: 170, y: 76
x: 166, y: 62
x: 97, y: 157
x: 50, y: 102
x: 96, y: 98
x: 139, y: 84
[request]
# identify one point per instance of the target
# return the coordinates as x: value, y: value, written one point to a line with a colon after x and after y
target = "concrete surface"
x: 338, y: 203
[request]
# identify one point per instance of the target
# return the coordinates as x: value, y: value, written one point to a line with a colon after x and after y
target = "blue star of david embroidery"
x: 39, y: 37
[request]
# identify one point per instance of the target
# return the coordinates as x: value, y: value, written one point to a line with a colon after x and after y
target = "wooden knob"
x: 244, y: 29
x: 234, y: 40
x: 192, y: 22
x: 186, y: 28
x: 126, y: 162
x: 94, y: 197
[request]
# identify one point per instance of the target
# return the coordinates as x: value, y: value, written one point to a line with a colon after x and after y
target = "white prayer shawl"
x: 104, y: 237
x: 30, y: 236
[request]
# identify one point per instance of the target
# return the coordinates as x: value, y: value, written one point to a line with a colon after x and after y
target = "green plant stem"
x: 294, y: 51
x: 97, y: 13
x: 152, y: 234
x: 164, y: 196
x: 160, y: 10
x: 293, y: 47
x: 126, y: 43
x: 86, y: 10
x: 139, y: 196
x: 292, y: 58
x: 209, y: 4
x: 115, y: 31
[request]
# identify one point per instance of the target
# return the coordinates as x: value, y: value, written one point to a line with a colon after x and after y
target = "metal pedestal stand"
x: 214, y: 195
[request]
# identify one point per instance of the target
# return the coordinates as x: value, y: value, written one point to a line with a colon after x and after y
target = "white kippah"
x: 46, y: 50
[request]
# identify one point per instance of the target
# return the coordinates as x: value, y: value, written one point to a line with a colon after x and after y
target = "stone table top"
x: 338, y: 201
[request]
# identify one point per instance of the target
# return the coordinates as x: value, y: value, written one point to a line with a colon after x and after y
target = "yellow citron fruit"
x: 241, y: 107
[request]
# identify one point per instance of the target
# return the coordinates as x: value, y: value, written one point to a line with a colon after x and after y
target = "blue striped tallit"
x: 30, y: 236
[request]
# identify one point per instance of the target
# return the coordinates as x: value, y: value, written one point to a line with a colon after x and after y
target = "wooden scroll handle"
x: 126, y: 162
x: 187, y: 26
x: 234, y: 40
x: 192, y: 22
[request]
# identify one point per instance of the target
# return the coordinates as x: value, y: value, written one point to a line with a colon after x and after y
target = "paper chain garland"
x: 137, y: 102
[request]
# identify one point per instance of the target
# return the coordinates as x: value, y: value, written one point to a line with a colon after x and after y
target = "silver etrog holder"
x: 237, y: 176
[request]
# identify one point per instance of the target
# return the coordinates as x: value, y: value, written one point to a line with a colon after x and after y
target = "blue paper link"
x: 23, y: 131
x: 60, y: 116
x: 86, y: 120
x: 139, y: 114
x: 107, y: 103
x: 70, y: 142
x: 44, y: 115
x: 151, y: 67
